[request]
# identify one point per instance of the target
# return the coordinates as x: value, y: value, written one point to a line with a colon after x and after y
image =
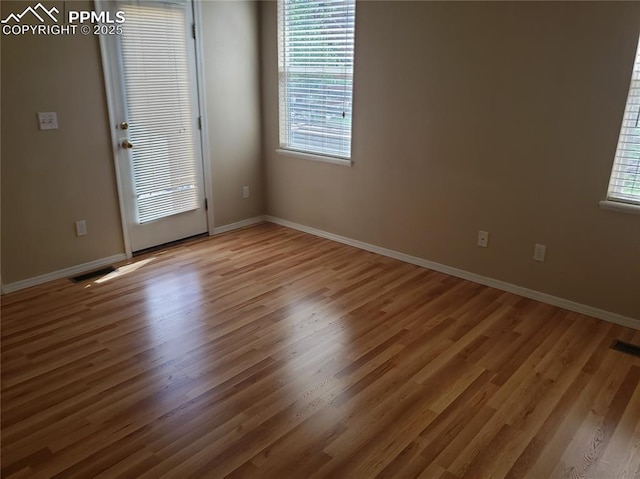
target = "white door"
x: 154, y: 112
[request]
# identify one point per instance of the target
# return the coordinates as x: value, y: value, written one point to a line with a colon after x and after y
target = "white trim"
x: 476, y: 278
x: 207, y: 162
x: 239, y: 224
x: 108, y: 71
x: 310, y: 156
x: 63, y: 273
x: 620, y: 207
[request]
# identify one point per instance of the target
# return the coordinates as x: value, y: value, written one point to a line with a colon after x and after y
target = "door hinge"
x: 199, y: 123
x: 193, y: 30
x: 206, y: 205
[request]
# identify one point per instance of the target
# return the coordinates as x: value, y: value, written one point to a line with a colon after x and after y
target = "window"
x: 315, y: 60
x: 624, y: 185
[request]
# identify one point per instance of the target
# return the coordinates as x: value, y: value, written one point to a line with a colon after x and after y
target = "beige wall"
x: 231, y: 70
x: 467, y: 116
x: 50, y: 179
x: 500, y: 116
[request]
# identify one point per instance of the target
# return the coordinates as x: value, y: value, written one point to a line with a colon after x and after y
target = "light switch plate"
x: 48, y: 120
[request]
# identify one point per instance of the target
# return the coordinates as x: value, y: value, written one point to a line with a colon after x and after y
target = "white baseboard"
x: 62, y: 273
x: 239, y: 224
x: 83, y: 268
x: 459, y: 273
x: 476, y: 278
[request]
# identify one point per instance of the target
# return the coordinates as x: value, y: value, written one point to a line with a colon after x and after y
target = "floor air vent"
x: 626, y: 348
x: 93, y: 274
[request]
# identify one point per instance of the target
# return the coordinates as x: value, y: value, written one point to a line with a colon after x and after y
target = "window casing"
x: 315, y: 67
x: 624, y: 185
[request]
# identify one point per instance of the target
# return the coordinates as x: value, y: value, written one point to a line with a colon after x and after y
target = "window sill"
x: 309, y: 156
x: 621, y: 207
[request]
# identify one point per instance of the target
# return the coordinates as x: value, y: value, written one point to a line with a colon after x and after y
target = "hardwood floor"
x: 270, y: 353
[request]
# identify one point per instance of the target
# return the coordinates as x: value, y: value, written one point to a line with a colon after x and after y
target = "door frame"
x: 112, y: 73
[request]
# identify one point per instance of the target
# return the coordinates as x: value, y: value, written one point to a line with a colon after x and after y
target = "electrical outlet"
x: 81, y: 228
x: 539, y: 252
x: 245, y: 192
x: 48, y: 120
x: 483, y: 239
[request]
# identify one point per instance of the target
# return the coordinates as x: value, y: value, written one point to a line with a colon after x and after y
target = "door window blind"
x: 316, y: 41
x: 161, y: 122
x: 625, y: 177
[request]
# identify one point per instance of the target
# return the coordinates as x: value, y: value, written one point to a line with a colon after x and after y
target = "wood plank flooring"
x: 270, y: 353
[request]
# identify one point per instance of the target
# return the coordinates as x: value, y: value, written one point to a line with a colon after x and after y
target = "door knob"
x: 124, y: 125
x: 127, y: 145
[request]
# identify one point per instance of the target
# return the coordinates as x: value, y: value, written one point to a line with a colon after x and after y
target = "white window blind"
x: 316, y: 75
x: 161, y: 122
x: 625, y: 177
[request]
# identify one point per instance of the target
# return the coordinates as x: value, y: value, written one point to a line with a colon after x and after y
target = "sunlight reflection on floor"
x: 173, y: 304
x: 122, y: 270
